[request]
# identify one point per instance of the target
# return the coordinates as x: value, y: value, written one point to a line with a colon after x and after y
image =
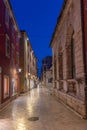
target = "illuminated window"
x: 6, y: 86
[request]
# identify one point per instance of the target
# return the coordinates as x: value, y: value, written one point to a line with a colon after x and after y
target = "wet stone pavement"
x: 38, y: 110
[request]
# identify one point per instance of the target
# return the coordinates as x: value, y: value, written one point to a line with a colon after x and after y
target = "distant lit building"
x: 33, y: 70
x: 46, y: 65
x: 49, y: 77
x: 28, y: 64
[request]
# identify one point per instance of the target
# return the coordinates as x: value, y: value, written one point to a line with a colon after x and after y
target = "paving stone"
x: 39, y: 103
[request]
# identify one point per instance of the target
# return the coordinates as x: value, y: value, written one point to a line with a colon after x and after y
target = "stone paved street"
x: 39, y: 103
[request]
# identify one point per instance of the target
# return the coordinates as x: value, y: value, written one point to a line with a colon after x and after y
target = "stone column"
x: 65, y: 70
x: 77, y: 89
x: 65, y: 86
x: 53, y: 68
x: 57, y: 72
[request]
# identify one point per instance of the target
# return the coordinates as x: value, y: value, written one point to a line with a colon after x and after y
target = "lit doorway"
x: 6, y: 86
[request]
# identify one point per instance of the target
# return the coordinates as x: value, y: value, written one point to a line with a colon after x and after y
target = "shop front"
x: 31, y: 84
x: 14, y: 86
x: 26, y: 85
x: 6, y: 86
x: 14, y: 83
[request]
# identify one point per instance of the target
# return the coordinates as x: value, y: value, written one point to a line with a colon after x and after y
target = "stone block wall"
x: 73, y: 102
x: 69, y: 27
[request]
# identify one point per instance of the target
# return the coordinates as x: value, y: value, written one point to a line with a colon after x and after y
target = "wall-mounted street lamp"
x: 19, y: 70
x: 29, y: 74
x: 27, y: 39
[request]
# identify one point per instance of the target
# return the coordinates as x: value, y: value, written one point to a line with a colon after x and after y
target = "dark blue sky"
x: 38, y: 18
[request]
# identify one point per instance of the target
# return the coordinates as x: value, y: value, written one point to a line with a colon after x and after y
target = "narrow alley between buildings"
x: 38, y: 110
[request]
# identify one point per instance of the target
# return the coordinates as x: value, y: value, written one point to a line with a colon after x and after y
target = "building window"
x: 71, y: 60
x: 17, y: 58
x: 7, y: 17
x: 55, y: 68
x: 50, y: 80
x: 60, y: 66
x: 17, y: 38
x: 45, y: 67
x: 12, y: 31
x: 7, y: 46
x: 71, y: 88
x: 12, y: 55
x: 14, y: 86
x: 86, y: 6
x: 6, y: 86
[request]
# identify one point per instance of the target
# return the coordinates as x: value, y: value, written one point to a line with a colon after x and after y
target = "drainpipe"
x: 84, y: 50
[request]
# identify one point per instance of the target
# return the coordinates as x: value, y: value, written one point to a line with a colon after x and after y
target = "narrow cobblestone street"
x: 39, y: 103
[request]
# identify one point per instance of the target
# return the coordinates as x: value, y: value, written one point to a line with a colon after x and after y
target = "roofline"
x: 13, y: 16
x: 58, y: 20
x: 23, y: 31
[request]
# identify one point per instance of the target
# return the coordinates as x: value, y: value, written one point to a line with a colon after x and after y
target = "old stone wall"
x: 67, y: 41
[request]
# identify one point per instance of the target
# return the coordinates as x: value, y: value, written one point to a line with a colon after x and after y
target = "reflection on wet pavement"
x: 39, y: 103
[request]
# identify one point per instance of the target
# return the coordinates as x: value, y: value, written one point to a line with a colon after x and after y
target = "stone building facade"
x: 28, y: 64
x: 69, y: 56
x: 46, y: 65
x: 49, y: 78
x: 9, y: 54
x: 33, y: 69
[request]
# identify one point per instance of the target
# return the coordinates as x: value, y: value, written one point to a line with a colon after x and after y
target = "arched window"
x: 60, y: 57
x: 55, y: 70
x: 70, y: 53
x: 60, y: 62
x: 73, y: 58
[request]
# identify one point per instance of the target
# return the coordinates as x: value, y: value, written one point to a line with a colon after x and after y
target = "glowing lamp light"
x: 29, y: 74
x: 27, y: 39
x: 19, y: 70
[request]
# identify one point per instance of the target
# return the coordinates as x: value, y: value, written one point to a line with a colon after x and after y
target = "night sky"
x: 38, y: 18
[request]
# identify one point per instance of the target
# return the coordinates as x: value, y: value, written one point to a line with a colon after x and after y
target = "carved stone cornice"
x: 11, y: 14
x: 61, y: 20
